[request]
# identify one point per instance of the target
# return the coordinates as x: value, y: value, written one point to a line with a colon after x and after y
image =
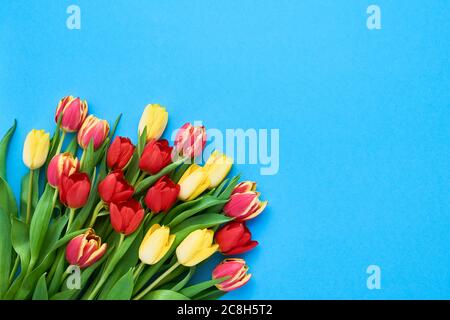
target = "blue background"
x: 363, y: 116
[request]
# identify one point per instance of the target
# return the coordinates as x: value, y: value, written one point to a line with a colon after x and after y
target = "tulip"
x: 235, y: 238
x: 217, y: 166
x: 155, y: 244
x: 73, y: 111
x: 154, y: 118
x: 74, y: 190
x: 236, y: 270
x: 162, y: 195
x: 61, y: 164
x: 196, y: 247
x: 85, y: 249
x: 35, y: 149
x: 119, y: 153
x: 190, y: 140
x: 244, y: 206
x: 244, y: 187
x: 157, y: 154
x: 126, y: 216
x: 93, y: 129
x: 114, y: 188
x: 193, y: 182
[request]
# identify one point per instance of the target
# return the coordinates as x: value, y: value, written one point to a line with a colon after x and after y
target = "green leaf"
x: 65, y: 295
x: 40, y: 293
x: 40, y: 222
x: 72, y: 147
x: 7, y: 199
x: 88, y: 158
x: 149, y: 181
x: 206, y: 220
x: 5, y: 251
x: 180, y: 208
x: 207, y: 202
x: 142, y: 142
x: 54, y: 142
x: 132, y: 170
x: 177, y: 174
x: 24, y: 193
x: 21, y: 242
x: 53, y: 233
x: 199, y: 287
x: 114, y: 127
x: 210, y: 294
x: 180, y: 285
x: 3, y: 149
x: 123, y: 289
x: 164, y: 295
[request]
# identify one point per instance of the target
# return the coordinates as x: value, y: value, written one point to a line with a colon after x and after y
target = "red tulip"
x: 74, y: 190
x: 236, y: 270
x: 244, y: 206
x: 114, y: 188
x: 235, y: 238
x: 85, y: 249
x: 190, y: 140
x: 162, y: 195
x: 93, y: 129
x: 61, y: 164
x: 126, y: 216
x: 119, y: 153
x: 73, y: 111
x: 157, y: 154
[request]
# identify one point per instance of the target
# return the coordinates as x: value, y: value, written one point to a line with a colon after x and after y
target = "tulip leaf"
x: 21, y: 242
x: 5, y: 250
x: 225, y: 194
x: 206, y: 203
x: 211, y: 294
x: 101, y: 152
x: 164, y: 295
x: 195, y: 289
x: 180, y: 208
x: 4, y: 147
x: 54, y: 142
x: 142, y: 142
x: 123, y: 289
x: 40, y: 293
x: 65, y: 295
x: 149, y: 181
x: 40, y: 221
x: 24, y: 193
x: 87, y: 162
x: 206, y: 220
x: 114, y: 127
x: 180, y: 285
x: 178, y: 173
x: 132, y: 171
x: 7, y: 199
x: 72, y: 147
x: 54, y: 232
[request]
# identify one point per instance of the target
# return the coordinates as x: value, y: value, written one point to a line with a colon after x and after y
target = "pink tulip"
x: 85, y: 249
x: 244, y: 206
x: 236, y: 270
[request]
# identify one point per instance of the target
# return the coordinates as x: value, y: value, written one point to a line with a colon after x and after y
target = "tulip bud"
x: 85, y: 249
x: 244, y: 187
x: 234, y: 238
x: 114, y: 188
x: 93, y: 129
x: 126, y: 216
x: 156, y: 155
x: 156, y: 244
x: 190, y: 140
x: 244, y: 206
x: 61, y: 164
x: 196, y: 247
x: 154, y: 118
x: 73, y: 111
x: 74, y: 190
x: 217, y: 166
x: 119, y: 153
x: 236, y: 270
x: 162, y: 195
x: 35, y: 149
x: 193, y: 182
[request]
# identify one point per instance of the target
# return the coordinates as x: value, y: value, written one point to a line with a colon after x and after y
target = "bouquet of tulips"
x: 125, y: 221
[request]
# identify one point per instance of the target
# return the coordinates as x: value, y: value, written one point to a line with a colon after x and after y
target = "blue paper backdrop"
x: 363, y: 116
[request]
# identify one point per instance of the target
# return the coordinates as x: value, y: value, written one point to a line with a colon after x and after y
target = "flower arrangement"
x: 124, y: 221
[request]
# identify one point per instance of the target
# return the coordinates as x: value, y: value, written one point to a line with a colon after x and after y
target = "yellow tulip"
x: 217, y: 166
x: 193, y: 182
x: 155, y: 119
x: 35, y: 149
x: 155, y: 245
x: 196, y: 247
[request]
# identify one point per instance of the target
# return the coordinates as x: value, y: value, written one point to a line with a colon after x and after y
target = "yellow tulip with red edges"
x: 217, y: 166
x: 196, y: 247
x: 193, y: 182
x: 35, y: 149
x: 154, y: 118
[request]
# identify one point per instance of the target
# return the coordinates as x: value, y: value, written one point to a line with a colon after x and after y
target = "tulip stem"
x: 71, y: 215
x: 14, y: 270
x: 100, y: 206
x: 156, y: 282
x: 61, y: 140
x: 29, y: 195
x: 138, y: 271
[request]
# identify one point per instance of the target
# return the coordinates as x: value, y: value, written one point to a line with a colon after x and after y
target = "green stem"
x: 103, y: 278
x: 83, y: 156
x: 138, y: 271
x: 30, y: 193
x: 100, y: 206
x: 14, y: 270
x: 71, y: 215
x: 156, y: 282
x: 141, y: 177
x: 61, y: 140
